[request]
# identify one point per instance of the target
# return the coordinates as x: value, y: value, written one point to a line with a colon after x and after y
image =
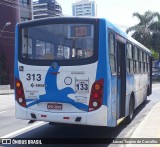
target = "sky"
x: 119, y: 12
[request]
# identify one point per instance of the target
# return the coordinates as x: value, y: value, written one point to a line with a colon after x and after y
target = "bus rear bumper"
x: 94, y: 118
x: 97, y: 117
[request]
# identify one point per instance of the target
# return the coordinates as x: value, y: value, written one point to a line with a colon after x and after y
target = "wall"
x: 8, y: 14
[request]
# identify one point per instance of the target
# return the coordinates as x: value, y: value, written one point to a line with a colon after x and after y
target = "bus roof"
x: 109, y: 25
x: 125, y: 35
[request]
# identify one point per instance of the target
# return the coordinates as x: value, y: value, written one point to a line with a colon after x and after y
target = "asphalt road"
x: 10, y: 127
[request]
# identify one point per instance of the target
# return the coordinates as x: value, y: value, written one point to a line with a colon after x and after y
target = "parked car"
x: 156, y: 75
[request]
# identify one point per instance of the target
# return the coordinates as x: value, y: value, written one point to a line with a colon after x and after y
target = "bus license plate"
x: 54, y: 106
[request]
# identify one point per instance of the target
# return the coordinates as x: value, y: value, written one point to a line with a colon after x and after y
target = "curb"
x: 143, y: 123
x: 7, y: 92
x: 148, y: 127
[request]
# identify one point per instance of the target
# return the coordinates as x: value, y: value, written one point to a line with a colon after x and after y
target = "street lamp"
x: 6, y: 24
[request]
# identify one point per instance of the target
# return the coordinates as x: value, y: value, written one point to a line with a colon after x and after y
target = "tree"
x: 155, y: 28
x: 3, y: 73
x: 154, y: 54
x: 142, y: 31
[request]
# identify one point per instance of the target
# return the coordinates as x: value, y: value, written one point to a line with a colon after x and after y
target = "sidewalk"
x: 5, y: 89
x: 6, y: 92
x: 148, y: 128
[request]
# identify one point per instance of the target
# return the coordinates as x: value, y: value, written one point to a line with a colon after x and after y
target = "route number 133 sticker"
x: 82, y: 86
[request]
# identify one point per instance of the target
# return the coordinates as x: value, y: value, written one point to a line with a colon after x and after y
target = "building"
x: 25, y: 10
x: 84, y: 8
x: 13, y: 12
x: 46, y: 8
x: 9, y: 11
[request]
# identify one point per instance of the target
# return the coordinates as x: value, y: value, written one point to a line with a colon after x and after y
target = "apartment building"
x: 84, y: 8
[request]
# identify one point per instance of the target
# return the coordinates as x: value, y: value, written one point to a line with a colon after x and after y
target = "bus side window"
x: 147, y: 60
x: 136, y: 59
x: 140, y: 61
x: 130, y: 61
x: 144, y: 62
x: 112, y: 53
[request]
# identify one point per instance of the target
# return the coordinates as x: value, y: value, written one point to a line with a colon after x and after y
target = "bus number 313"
x: 33, y: 77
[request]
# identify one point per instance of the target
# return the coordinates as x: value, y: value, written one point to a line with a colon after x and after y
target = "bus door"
x: 121, y: 76
x: 150, y: 75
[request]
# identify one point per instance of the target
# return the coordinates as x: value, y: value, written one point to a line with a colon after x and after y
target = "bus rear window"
x: 58, y: 42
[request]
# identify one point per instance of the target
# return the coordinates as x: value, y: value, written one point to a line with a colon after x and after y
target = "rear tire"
x: 145, y: 98
x: 148, y: 91
x: 131, y: 110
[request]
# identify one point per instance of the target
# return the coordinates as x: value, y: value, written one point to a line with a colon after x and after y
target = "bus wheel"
x: 131, y: 110
x: 148, y: 91
x: 145, y: 98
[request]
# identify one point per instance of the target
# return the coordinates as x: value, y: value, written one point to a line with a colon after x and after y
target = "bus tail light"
x: 20, y: 93
x: 96, y: 95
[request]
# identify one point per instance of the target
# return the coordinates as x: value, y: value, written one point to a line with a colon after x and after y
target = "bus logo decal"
x: 32, y: 85
x: 54, y: 65
x: 37, y: 85
x: 21, y: 68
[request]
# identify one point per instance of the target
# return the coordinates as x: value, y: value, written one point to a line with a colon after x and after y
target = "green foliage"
x: 2, y: 60
x: 3, y: 73
x: 147, y: 31
x: 154, y: 54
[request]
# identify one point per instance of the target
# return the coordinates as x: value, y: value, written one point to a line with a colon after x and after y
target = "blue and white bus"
x: 79, y: 71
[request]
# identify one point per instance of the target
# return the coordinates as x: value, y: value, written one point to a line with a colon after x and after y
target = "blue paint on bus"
x: 16, y: 72
x: 53, y: 94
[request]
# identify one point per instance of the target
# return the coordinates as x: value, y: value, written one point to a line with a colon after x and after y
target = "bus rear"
x: 56, y: 72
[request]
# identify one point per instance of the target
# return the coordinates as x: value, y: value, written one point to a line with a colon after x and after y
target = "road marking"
x: 3, y: 111
x: 10, y: 135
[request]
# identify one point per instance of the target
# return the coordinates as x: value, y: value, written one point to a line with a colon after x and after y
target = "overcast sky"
x: 118, y: 12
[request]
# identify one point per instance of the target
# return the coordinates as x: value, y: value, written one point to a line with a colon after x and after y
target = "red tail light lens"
x: 20, y: 93
x: 96, y: 95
